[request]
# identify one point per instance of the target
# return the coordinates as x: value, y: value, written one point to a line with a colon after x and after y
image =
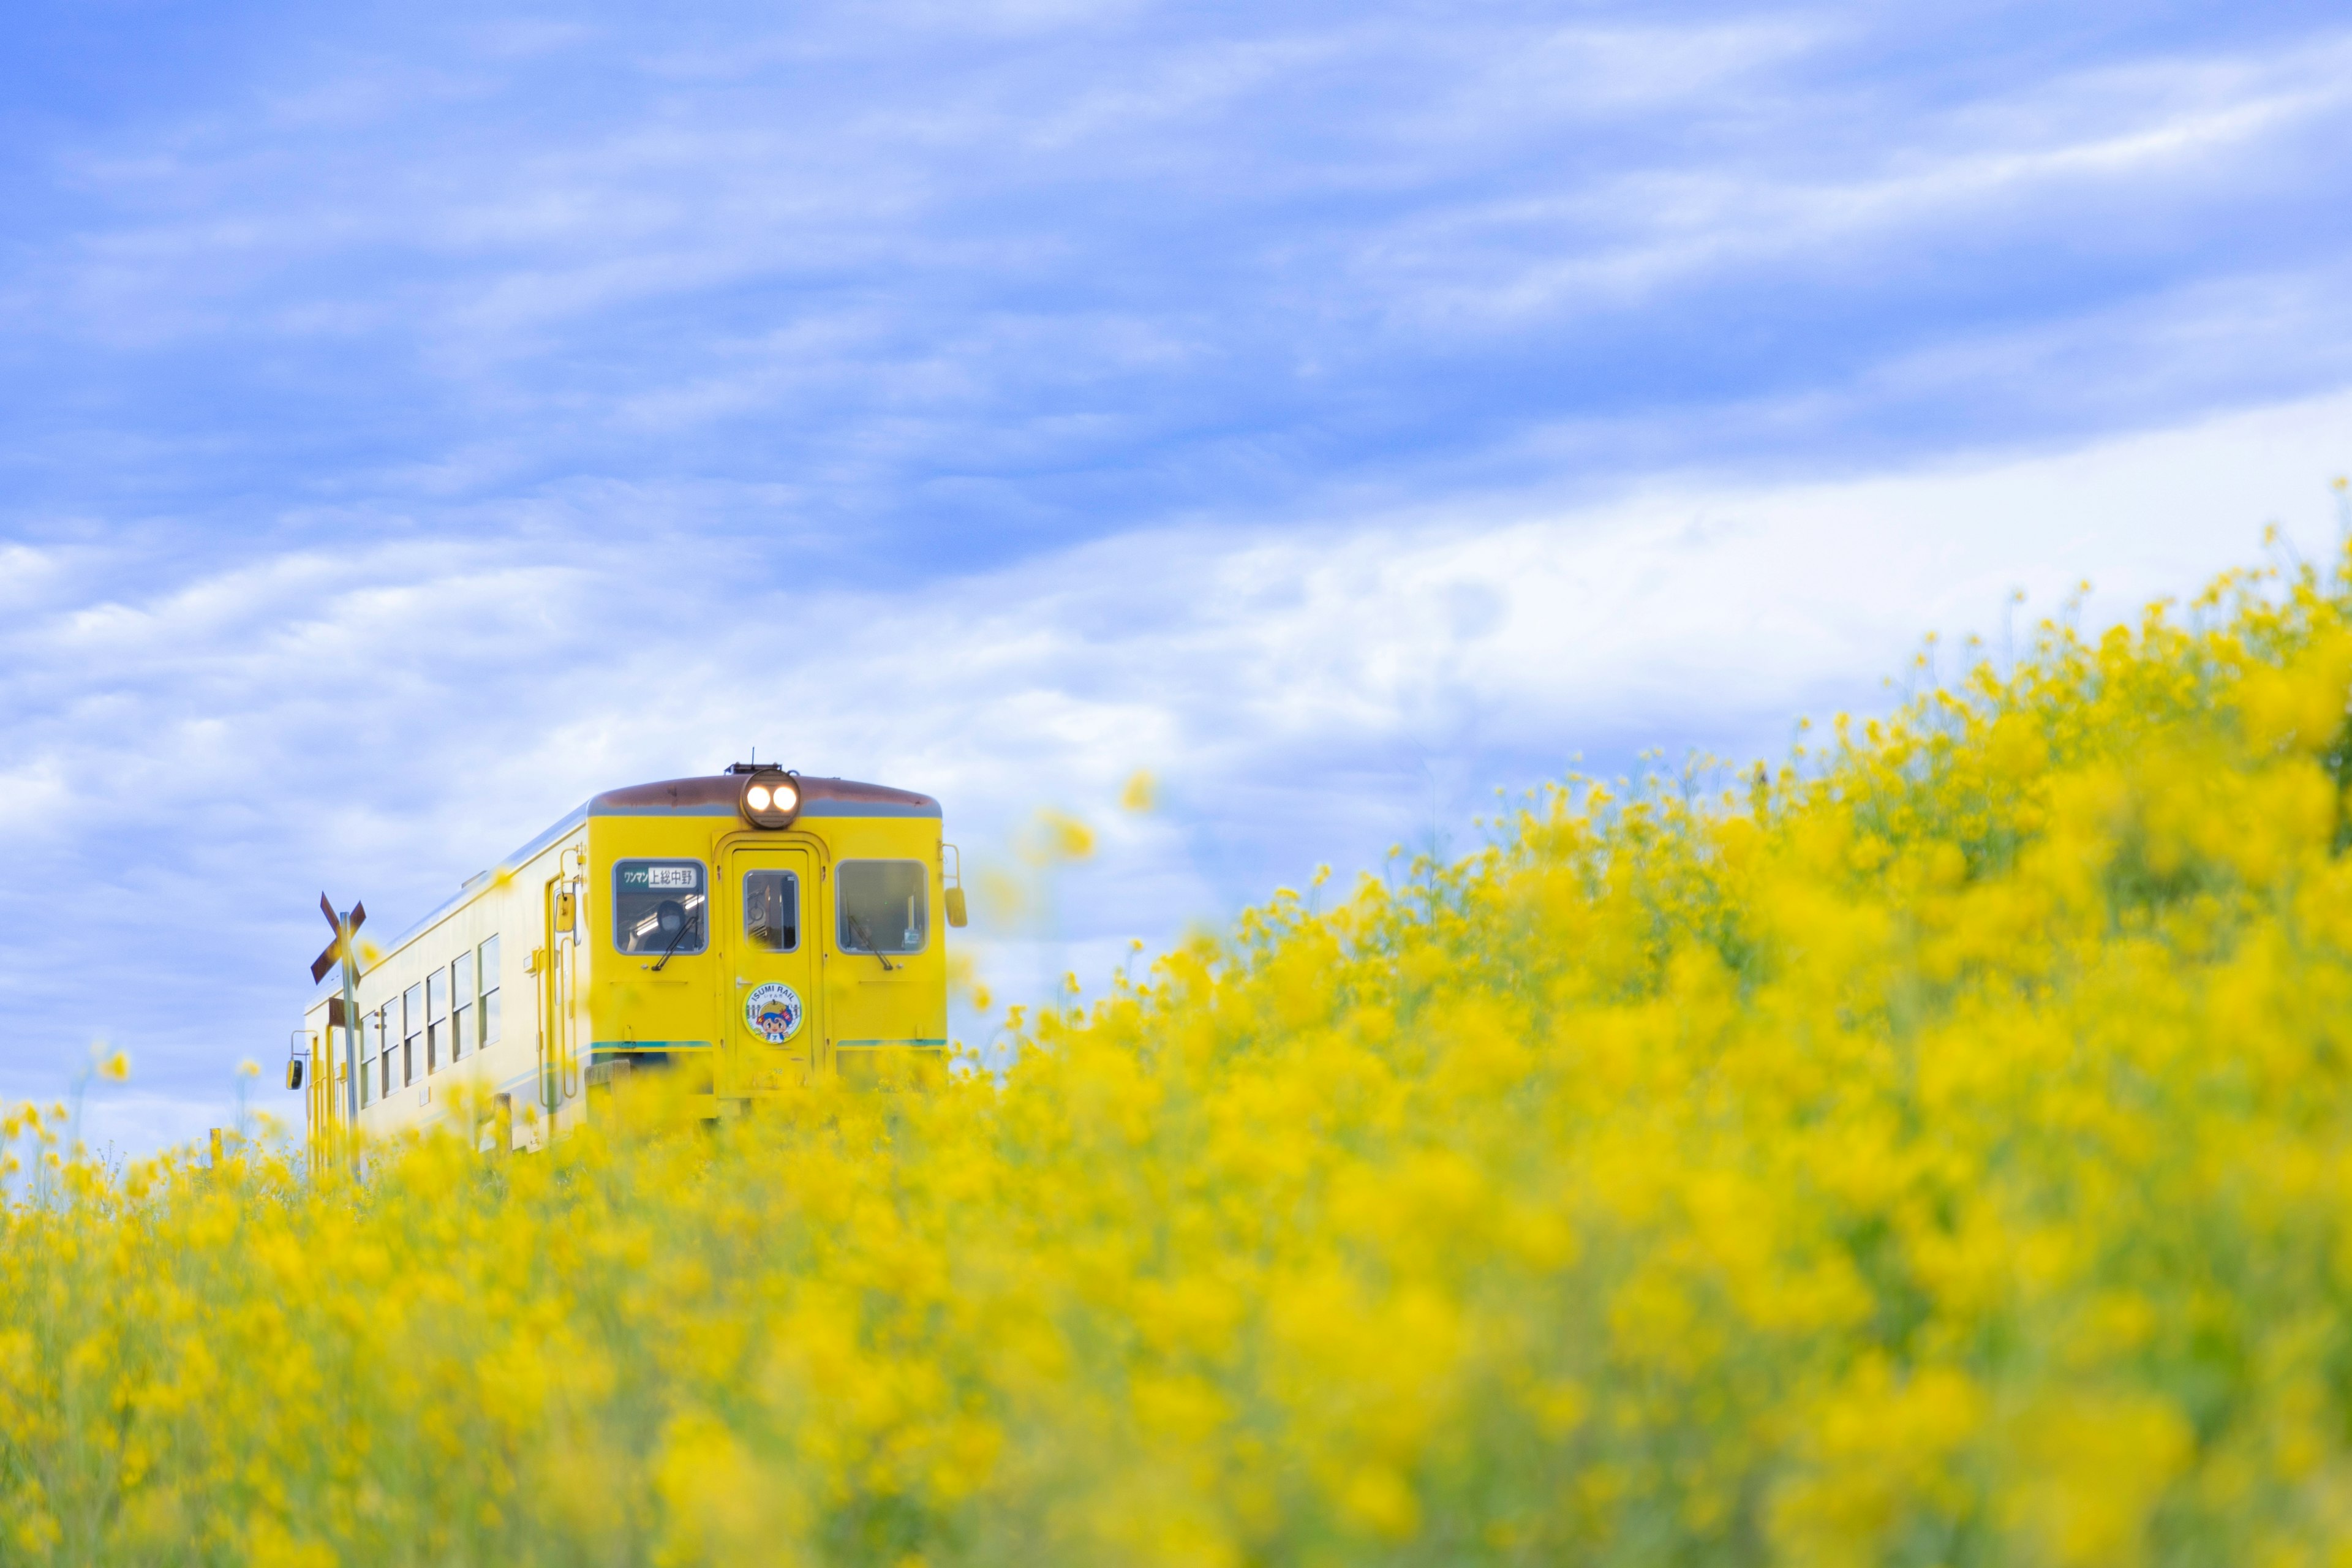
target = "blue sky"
x: 413, y: 419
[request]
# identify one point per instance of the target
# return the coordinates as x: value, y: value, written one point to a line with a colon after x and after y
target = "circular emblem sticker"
x: 773, y: 1011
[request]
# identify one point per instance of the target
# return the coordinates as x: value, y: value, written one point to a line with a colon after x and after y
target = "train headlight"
x: 772, y: 799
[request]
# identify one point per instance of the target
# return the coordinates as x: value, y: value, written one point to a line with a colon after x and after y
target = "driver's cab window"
x: 659, y: 906
x: 884, y: 905
x: 771, y: 910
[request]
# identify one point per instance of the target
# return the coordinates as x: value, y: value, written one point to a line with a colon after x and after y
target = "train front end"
x: 749, y: 934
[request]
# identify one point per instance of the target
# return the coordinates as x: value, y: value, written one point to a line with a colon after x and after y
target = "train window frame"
x: 627, y: 913
x: 437, y: 1016
x: 368, y: 1048
x: 463, y: 996
x: 486, y: 966
x: 412, y: 1031
x: 792, y: 879
x: 841, y: 877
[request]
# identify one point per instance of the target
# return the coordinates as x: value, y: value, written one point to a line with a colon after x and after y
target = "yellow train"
x: 745, y: 932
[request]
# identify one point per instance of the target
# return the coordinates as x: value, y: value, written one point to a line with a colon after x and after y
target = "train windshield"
x: 884, y: 906
x: 659, y: 906
x: 771, y: 910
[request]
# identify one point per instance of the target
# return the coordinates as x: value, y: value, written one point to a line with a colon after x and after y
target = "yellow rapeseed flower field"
x: 1939, y: 1153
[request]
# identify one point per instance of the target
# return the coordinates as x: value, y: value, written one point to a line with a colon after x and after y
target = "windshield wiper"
x: 684, y: 927
x: 867, y: 937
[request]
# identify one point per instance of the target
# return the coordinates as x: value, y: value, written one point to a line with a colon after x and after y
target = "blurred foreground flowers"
x: 1938, y: 1154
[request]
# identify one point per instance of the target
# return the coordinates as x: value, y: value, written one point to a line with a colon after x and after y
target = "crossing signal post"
x: 342, y: 952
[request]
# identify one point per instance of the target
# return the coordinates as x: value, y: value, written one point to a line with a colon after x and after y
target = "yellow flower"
x: 1931, y: 1152
x: 1056, y: 835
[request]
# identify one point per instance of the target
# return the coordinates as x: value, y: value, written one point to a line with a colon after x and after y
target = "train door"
x: 557, y: 967
x: 771, y: 1030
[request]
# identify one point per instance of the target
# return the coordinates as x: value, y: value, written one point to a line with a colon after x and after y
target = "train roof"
x: 705, y: 794
x: 719, y: 794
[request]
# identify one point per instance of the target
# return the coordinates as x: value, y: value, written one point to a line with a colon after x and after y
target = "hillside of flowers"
x: 1937, y: 1151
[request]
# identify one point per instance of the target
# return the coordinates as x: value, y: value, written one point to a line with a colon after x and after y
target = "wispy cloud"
x: 1224, y: 258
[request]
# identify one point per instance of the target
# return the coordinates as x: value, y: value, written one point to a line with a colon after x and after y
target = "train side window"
x: 771, y: 910
x: 368, y: 1047
x: 461, y: 1005
x: 412, y: 1031
x: 659, y: 907
x: 883, y: 906
x: 489, y: 971
x: 437, y: 1019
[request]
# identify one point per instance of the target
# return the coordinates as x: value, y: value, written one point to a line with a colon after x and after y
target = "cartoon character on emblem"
x: 773, y: 1011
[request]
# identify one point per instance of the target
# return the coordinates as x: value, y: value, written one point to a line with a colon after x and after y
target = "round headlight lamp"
x: 772, y: 799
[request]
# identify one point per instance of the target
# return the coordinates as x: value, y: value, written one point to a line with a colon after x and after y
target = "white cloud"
x: 1653, y: 227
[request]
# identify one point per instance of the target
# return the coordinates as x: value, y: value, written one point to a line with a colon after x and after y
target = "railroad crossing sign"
x: 343, y: 951
x: 337, y: 949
